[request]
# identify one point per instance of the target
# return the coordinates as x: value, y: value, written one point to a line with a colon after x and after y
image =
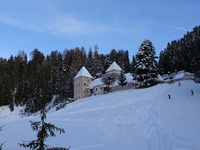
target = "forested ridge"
x: 182, y: 54
x: 33, y: 83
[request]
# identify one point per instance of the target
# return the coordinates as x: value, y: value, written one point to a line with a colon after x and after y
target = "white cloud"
x: 9, y: 20
x: 179, y: 28
x: 23, y: 24
x: 172, y: 26
x: 175, y: 27
x: 66, y: 25
x: 60, y: 25
x: 71, y: 26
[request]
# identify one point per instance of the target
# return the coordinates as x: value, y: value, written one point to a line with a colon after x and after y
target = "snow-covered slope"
x: 137, y: 119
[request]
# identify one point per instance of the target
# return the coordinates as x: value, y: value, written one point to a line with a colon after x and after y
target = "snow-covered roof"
x: 159, y: 78
x: 181, y: 75
x: 129, y: 78
x: 83, y: 73
x: 95, y: 82
x: 114, y: 66
x: 178, y: 76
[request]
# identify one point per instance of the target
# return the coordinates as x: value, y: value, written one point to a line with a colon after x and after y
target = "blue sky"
x: 50, y: 25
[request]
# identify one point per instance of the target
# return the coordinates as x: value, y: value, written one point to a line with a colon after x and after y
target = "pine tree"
x: 90, y: 60
x: 146, y: 71
x: 20, y: 69
x: 197, y: 77
x: 11, y: 81
x: 1, y: 144
x: 45, y: 130
x: 122, y: 80
x: 108, y: 79
x: 97, y: 68
x: 108, y: 61
x: 132, y: 67
x: 113, y: 56
x: 126, y: 62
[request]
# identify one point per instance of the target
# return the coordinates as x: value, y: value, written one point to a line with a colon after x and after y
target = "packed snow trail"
x: 137, y: 119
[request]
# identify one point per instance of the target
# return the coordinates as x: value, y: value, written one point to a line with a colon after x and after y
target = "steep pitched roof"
x: 114, y: 66
x: 83, y: 73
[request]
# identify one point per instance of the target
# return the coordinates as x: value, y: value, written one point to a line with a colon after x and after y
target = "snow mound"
x: 6, y: 114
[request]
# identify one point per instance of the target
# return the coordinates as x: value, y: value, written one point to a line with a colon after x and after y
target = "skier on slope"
x: 192, y: 92
x: 169, y: 96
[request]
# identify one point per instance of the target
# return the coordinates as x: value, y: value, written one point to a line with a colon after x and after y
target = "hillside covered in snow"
x: 136, y: 119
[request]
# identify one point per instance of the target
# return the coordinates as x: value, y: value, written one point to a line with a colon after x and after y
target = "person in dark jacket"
x: 169, y: 96
x: 192, y: 92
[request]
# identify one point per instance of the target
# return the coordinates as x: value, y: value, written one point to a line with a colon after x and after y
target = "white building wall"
x: 80, y: 87
x: 98, y: 90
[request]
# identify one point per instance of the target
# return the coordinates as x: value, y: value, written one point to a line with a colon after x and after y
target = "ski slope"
x: 136, y: 119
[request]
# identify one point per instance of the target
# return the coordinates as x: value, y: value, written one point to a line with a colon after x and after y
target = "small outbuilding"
x: 179, y: 76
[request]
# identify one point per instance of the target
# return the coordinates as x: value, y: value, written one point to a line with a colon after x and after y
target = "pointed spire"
x: 83, y: 73
x: 114, y: 66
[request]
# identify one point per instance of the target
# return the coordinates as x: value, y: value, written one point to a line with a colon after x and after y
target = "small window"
x: 101, y: 88
x: 96, y: 89
x: 84, y: 84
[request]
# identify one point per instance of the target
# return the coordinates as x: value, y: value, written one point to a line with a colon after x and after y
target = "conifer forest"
x: 34, y: 82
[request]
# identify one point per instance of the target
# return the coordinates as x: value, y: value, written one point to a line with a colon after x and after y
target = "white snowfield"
x: 137, y: 119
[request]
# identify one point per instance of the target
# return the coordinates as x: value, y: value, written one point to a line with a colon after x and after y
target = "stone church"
x: 85, y: 85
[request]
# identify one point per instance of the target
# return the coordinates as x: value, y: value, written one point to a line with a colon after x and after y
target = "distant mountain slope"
x: 137, y: 119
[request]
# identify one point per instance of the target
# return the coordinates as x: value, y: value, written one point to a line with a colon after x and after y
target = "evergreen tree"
x: 197, y: 77
x: 108, y: 61
x: 45, y: 130
x: 121, y: 59
x: 113, y: 56
x: 132, y: 67
x: 161, y: 61
x: 108, y: 79
x: 97, y: 68
x: 102, y: 59
x: 78, y: 60
x: 122, y: 80
x: 20, y: 71
x: 11, y: 82
x: 70, y: 73
x: 1, y: 144
x: 34, y: 99
x: 146, y: 71
x: 126, y: 62
x: 90, y: 60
